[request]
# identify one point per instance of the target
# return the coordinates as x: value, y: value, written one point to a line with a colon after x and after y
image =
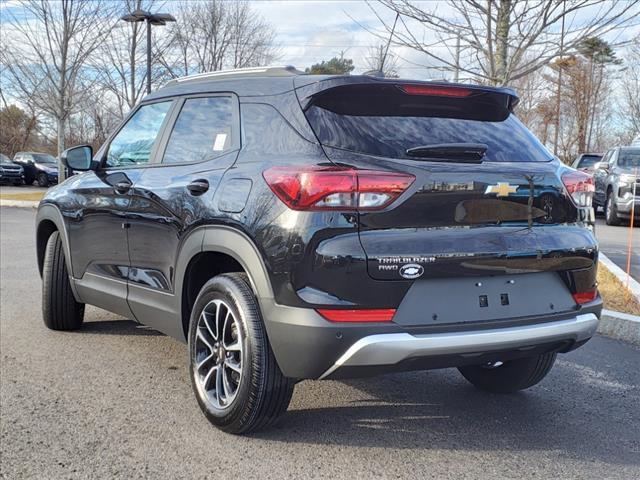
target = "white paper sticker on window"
x: 221, y: 139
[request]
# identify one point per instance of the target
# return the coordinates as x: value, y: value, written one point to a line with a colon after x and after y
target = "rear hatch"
x: 487, y: 197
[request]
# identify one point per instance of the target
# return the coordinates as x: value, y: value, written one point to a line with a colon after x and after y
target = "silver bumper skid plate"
x: 392, y: 348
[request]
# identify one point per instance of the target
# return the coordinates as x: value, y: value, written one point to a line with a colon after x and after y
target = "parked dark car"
x: 38, y: 167
x: 586, y: 162
x: 10, y: 173
x: 617, y: 179
x: 290, y: 226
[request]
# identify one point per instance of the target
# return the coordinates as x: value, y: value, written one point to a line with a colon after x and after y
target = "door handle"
x: 122, y: 187
x: 198, y: 187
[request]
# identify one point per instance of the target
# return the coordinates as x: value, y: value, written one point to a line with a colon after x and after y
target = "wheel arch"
x: 224, y: 249
x: 50, y: 220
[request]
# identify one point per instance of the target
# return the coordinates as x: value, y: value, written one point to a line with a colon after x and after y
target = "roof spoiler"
x: 371, y: 96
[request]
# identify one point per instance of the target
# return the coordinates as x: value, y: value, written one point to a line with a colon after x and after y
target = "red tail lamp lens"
x: 585, y: 297
x: 371, y: 315
x: 336, y: 188
x: 436, y: 91
x: 580, y: 186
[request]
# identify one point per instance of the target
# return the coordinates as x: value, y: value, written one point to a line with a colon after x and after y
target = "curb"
x: 19, y: 203
x: 621, y: 326
x: 621, y: 275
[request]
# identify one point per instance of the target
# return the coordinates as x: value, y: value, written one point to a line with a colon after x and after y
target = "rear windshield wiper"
x: 450, y: 152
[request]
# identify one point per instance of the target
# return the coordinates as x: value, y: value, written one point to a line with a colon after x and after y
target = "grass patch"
x: 615, y: 295
x: 27, y: 196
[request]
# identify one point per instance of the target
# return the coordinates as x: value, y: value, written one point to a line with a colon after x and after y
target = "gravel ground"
x: 114, y: 401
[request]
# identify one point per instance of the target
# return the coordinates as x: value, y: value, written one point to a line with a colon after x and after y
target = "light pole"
x: 150, y: 19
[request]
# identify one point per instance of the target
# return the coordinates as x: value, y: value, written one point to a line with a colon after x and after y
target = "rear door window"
x: 387, y: 125
x: 202, y: 131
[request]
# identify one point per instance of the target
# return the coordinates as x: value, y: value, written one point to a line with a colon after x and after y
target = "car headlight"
x: 627, y: 179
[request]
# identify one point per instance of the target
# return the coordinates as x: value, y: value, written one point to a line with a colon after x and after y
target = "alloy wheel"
x: 218, y: 354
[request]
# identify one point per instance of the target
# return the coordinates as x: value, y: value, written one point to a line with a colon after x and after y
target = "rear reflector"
x: 436, y: 91
x: 372, y: 315
x: 335, y: 188
x: 585, y: 297
x: 580, y: 186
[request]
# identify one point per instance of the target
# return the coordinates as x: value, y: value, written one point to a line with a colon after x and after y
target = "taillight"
x: 580, y: 186
x: 336, y: 188
x: 436, y: 91
x: 369, y: 315
x: 585, y: 297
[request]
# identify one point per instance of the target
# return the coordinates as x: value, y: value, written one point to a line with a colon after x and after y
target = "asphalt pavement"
x: 614, y: 243
x: 113, y: 400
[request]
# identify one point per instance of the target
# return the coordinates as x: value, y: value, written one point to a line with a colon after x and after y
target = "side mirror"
x: 78, y: 158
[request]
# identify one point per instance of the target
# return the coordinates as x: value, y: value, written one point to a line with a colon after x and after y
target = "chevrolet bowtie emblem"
x: 501, y: 189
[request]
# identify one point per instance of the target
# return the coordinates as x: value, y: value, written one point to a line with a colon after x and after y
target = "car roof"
x: 276, y: 80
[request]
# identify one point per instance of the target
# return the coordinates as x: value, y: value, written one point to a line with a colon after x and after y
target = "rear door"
x: 173, y: 197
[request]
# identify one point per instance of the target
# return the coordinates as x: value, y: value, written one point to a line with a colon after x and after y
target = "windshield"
x: 4, y: 159
x: 43, y: 158
x: 629, y: 158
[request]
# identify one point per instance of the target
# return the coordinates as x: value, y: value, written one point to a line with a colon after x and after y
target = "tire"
x: 249, y: 391
x: 511, y: 376
x: 611, y: 211
x: 42, y: 179
x: 60, y: 310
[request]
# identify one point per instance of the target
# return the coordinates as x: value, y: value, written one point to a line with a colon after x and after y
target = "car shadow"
x: 438, y: 410
x: 117, y: 327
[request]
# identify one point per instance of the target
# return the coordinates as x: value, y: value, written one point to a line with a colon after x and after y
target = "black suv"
x: 39, y: 167
x: 290, y: 226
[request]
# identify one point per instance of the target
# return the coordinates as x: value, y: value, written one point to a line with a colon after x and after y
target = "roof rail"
x: 269, y: 71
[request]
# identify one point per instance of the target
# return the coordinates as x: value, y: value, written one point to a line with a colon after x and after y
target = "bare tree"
x: 214, y: 34
x: 504, y: 39
x: 379, y: 59
x: 46, y: 55
x: 631, y: 88
x: 119, y: 61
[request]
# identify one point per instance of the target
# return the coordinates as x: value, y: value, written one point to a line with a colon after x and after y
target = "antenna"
x: 384, y: 57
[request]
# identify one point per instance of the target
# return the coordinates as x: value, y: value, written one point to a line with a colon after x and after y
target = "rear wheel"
x: 611, y: 212
x: 60, y: 310
x: 234, y: 374
x: 510, y: 376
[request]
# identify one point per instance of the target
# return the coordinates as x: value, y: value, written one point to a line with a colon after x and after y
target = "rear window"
x: 408, y: 121
x: 589, y: 160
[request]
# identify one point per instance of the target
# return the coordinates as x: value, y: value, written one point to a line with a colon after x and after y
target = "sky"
x: 309, y: 31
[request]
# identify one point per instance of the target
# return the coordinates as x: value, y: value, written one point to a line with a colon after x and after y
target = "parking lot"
x: 114, y: 401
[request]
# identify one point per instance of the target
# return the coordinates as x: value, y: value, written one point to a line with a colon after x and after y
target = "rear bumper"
x: 308, y: 346
x: 395, y: 348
